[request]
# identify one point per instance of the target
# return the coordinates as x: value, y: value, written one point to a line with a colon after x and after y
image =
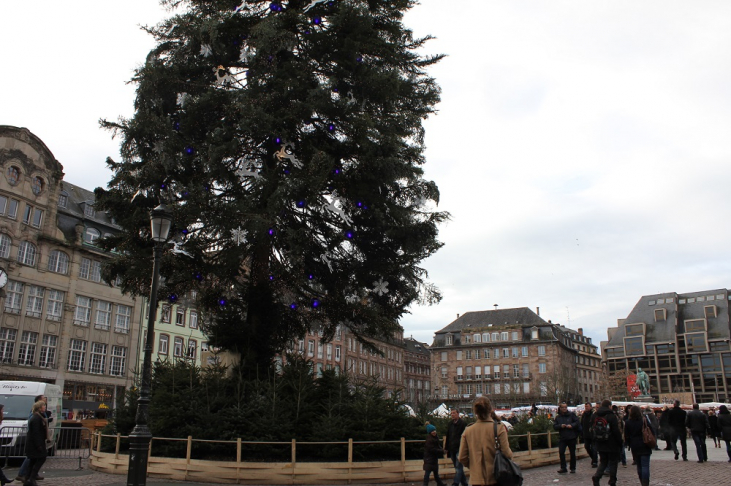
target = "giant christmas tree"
x: 287, y: 139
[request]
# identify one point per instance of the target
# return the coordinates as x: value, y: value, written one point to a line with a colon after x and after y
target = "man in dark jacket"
x: 609, y: 447
x: 568, y: 426
x: 586, y: 418
x: 676, y: 422
x: 697, y: 422
x: 454, y: 436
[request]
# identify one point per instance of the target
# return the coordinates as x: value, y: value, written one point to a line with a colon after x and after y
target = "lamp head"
x: 161, y: 219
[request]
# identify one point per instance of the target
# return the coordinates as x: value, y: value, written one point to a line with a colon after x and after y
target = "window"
x: 89, y: 210
x: 77, y: 355
x: 696, y: 342
x: 48, y: 351
x: 54, y: 305
x: 5, y: 243
x: 118, y: 361
x: 3, y: 204
x: 634, y: 330
x: 450, y: 340
x: 27, y: 253
x: 476, y: 338
x: 13, y: 174
x: 524, y: 351
x: 541, y: 367
x: 526, y: 370
x: 36, y: 185
x: 7, y: 344
x: 13, y: 297
x: 459, y: 355
x: 98, y: 358
x: 515, y: 335
x: 13, y: 208
x: 180, y: 317
x: 103, y: 317
x: 506, y: 371
x: 162, y: 345
x: 444, y: 371
x: 468, y: 354
x: 319, y: 350
x: 506, y: 352
x: 58, y: 262
x: 496, y: 372
x: 165, y: 314
x: 459, y: 372
x: 121, y: 324
x: 496, y: 353
x: 337, y: 352
x: 695, y: 325
x: 91, y: 235
x: 32, y: 216
x: 329, y: 351
x: 310, y: 347
x: 503, y: 336
x: 541, y: 350
x: 178, y: 347
x: 634, y: 346
x: 62, y: 200
x: 193, y: 320
x: 497, y: 388
x: 534, y: 333
x: 82, y: 316
x: 444, y: 356
x: 661, y: 314
x: 495, y: 337
x: 516, y: 352
x: 486, y: 353
x: 710, y: 311
x: 466, y: 340
x: 34, y: 304
x: 90, y: 270
x: 478, y: 372
x: 192, y: 348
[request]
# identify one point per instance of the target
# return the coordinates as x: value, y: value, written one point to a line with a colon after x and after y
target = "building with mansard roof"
x: 59, y: 322
x: 681, y: 340
x: 511, y: 355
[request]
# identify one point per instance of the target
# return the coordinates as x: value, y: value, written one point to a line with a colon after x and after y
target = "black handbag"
x: 506, y: 472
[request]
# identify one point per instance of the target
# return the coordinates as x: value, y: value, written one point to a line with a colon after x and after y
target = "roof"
x: 414, y: 346
x: 496, y: 318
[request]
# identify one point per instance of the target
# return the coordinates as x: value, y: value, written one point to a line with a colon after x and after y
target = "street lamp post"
x: 160, y: 220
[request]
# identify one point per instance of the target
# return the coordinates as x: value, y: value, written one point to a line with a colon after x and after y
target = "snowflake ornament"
x: 238, y: 235
x: 206, y: 50
x: 157, y: 148
x: 351, y: 298
x: 182, y: 99
x: 284, y: 154
x: 380, y: 287
x: 246, y: 55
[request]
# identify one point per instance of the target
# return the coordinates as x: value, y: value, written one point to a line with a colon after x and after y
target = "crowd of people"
x: 607, y: 433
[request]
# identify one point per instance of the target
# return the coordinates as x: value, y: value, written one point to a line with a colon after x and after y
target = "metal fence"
x: 68, y: 443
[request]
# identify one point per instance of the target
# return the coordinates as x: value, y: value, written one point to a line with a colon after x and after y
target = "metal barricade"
x: 69, y: 443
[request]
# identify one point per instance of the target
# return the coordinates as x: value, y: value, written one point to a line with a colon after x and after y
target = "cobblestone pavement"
x: 664, y: 471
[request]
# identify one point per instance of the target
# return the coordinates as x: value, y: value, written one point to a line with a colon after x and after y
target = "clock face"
x: 3, y: 278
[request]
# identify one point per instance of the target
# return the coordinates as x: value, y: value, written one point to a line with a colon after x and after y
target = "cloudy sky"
x: 582, y: 148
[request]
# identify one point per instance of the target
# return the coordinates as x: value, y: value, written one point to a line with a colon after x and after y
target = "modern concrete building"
x: 511, y: 355
x: 680, y: 340
x: 59, y: 321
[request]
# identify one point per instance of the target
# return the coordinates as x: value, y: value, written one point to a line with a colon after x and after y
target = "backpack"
x: 600, y: 431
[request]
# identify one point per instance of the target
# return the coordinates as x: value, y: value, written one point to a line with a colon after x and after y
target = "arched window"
x: 58, y: 262
x: 36, y: 185
x: 27, y: 253
x: 13, y: 175
x: 91, y: 235
x: 5, y: 243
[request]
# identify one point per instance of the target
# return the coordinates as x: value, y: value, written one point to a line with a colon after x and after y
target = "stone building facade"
x: 417, y: 372
x: 588, y: 365
x: 511, y: 355
x: 59, y: 322
x: 680, y: 340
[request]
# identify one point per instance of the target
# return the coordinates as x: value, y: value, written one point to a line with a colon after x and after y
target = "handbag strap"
x: 497, y: 442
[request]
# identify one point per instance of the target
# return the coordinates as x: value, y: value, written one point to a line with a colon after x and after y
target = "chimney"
x: 538, y: 311
x: 581, y: 331
x: 457, y: 315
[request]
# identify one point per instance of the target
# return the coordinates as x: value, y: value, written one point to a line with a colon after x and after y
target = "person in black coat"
x: 610, y: 448
x: 665, y: 428
x: 35, y: 443
x: 724, y: 424
x: 586, y: 418
x: 635, y: 441
x: 697, y: 422
x: 454, y: 438
x: 676, y: 422
x: 715, y: 432
x: 569, y: 427
x: 432, y: 453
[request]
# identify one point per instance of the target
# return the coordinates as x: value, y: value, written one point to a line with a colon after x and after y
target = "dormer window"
x: 63, y: 200
x: 534, y: 333
x: 450, y: 339
x: 89, y: 211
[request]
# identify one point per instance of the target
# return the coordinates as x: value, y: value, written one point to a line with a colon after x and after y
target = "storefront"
x: 88, y: 400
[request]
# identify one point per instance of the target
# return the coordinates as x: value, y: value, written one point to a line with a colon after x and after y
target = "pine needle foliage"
x: 287, y: 139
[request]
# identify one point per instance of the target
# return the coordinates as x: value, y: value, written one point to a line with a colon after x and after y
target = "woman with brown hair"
x: 634, y: 438
x: 477, y: 449
x: 35, y: 444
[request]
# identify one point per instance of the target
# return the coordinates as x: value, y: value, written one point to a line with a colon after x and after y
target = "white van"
x: 17, y: 397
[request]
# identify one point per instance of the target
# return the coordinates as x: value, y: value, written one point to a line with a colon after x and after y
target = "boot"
x: 645, y: 482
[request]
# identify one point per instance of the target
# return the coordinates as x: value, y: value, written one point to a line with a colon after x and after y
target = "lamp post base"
x: 139, y: 449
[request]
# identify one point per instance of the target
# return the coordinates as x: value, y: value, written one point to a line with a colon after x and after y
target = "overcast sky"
x: 582, y: 148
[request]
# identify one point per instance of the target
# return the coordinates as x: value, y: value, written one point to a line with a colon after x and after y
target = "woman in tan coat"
x: 477, y: 449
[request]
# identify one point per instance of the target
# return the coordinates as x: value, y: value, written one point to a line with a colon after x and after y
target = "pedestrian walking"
x: 586, y: 419
x: 724, y: 424
x: 568, y: 426
x: 634, y: 439
x: 715, y: 432
x: 477, y: 449
x: 24, y: 470
x: 654, y: 422
x: 697, y: 422
x: 665, y: 428
x: 454, y: 438
x: 608, y: 442
x: 35, y: 442
x: 433, y: 451
x: 676, y: 422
